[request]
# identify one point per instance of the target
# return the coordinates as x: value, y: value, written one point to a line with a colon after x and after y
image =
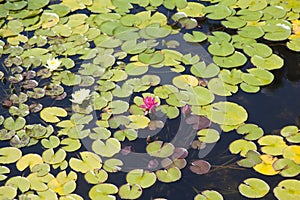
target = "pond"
x: 150, y: 99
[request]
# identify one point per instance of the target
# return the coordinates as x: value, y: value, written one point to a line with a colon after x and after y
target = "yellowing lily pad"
x: 51, y: 114
x: 96, y: 176
x: 185, y: 81
x: 51, y: 157
x: 293, y: 153
x: 8, y: 192
x: 266, y: 166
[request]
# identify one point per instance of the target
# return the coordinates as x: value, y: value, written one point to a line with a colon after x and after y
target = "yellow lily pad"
x: 89, y: 161
x: 51, y: 114
x: 266, y: 166
x: 292, y: 153
x: 9, y: 155
x: 28, y: 160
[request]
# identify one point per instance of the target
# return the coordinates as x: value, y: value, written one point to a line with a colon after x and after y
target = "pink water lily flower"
x: 149, y: 104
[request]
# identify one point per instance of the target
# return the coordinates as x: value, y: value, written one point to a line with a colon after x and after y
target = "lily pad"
x: 266, y: 166
x: 200, y: 167
x: 287, y: 189
x: 89, y: 161
x: 208, y: 135
x: 141, y: 177
x: 9, y: 155
x: 128, y: 191
x: 28, y: 160
x: 254, y: 188
x: 272, y: 144
x: 293, y: 153
x: 111, y: 147
x: 251, y: 131
x: 291, y: 134
x: 269, y: 63
x: 11, y: 124
x: 287, y: 167
x: 241, y: 146
x: 51, y: 114
x: 158, y: 149
x: 168, y: 175
x: 209, y: 195
x: 195, y: 37
x: 103, y: 191
x: 235, y: 60
x: 217, y: 11
x: 96, y: 176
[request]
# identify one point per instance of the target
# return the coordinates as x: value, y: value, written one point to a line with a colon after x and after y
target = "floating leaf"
x: 208, y: 135
x: 8, y: 192
x: 266, y: 166
x: 19, y: 182
x: 112, y: 165
x: 11, y: 124
x: 96, y: 176
x: 168, y: 175
x: 137, y: 122
x: 51, y: 114
x: 287, y: 167
x: 291, y: 133
x: 89, y: 161
x: 252, y: 158
x: 235, y: 60
x: 287, y: 189
x: 269, y: 63
x: 195, y: 37
x: 9, y: 155
x: 200, y: 167
x: 217, y: 12
x: 141, y: 177
x: 185, y: 81
x: 209, y: 195
x: 54, y: 158
x: 107, y: 149
x: 128, y: 191
x: 28, y: 160
x: 257, y: 77
x: 251, y: 131
x: 35, y: 5
x: 293, y: 153
x: 221, y: 49
x: 272, y: 144
x: 158, y: 149
x: 201, y: 70
x: 254, y: 188
x: 241, y: 146
x: 103, y: 191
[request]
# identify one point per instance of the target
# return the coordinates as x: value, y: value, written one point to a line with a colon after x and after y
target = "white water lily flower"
x: 53, y: 64
x: 80, y: 95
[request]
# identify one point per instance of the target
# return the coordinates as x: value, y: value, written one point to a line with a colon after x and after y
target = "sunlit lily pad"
x: 11, y: 124
x: 51, y: 157
x: 287, y: 189
x: 209, y: 195
x: 140, y: 177
x: 89, y: 161
x: 251, y: 131
x: 293, y: 153
x: 272, y: 144
x: 19, y: 182
x: 269, y: 63
x: 208, y: 135
x: 195, y: 37
x: 252, y: 158
x: 158, y: 149
x: 51, y: 114
x: 266, y: 166
x: 8, y: 192
x: 28, y: 160
x: 112, y: 165
x: 103, y: 191
x: 241, y: 146
x: 201, y: 70
x: 9, y: 155
x: 235, y: 60
x: 96, y: 176
x: 217, y: 11
x: 291, y: 133
x: 168, y: 175
x: 287, y: 167
x: 254, y: 188
x: 108, y: 148
x: 128, y: 191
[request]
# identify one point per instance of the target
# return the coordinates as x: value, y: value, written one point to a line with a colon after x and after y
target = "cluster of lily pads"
x: 115, y: 54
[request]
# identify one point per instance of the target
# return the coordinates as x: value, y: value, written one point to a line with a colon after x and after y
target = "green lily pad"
x: 9, y: 155
x: 234, y: 22
x: 128, y: 191
x: 226, y: 113
x: 208, y: 135
x: 252, y: 32
x: 277, y: 30
x: 137, y: 122
x: 164, y: 91
x: 253, y: 5
x: 52, y: 142
x: 287, y: 167
x: 258, y: 49
x: 19, y: 182
x: 195, y: 37
x: 193, y: 9
x: 171, y: 111
x: 291, y: 134
x: 293, y: 153
x: 118, y: 106
x: 254, y: 188
x: 249, y: 88
x: 287, y: 189
x: 103, y: 191
x: 221, y: 49
x: 257, y: 77
x: 201, y: 70
x: 111, y: 147
x: 51, y: 114
x: 217, y: 11
x: 185, y: 81
x: 157, y: 31
x: 272, y: 144
x: 209, y: 195
x: 294, y: 44
x: 242, y: 146
x: 168, y: 175
x: 158, y: 149
x: 11, y: 124
x: 219, y: 37
x: 251, y: 131
x: 28, y: 160
x: 96, y: 176
x: 252, y: 159
x: 89, y: 161
x: 35, y: 5
x: 140, y: 177
x: 218, y: 87
x: 276, y: 12
x: 112, y: 165
x: 3, y: 170
x: 130, y: 134
x: 51, y: 157
x: 8, y: 192
x: 235, y: 60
